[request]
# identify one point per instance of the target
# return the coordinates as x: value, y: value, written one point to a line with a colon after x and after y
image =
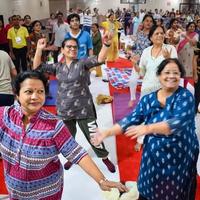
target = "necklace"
x: 156, y: 54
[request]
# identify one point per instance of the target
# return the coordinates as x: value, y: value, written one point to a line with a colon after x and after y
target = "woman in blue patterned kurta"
x: 168, y: 166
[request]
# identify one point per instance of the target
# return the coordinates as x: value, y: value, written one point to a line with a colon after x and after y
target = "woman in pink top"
x: 3, y: 37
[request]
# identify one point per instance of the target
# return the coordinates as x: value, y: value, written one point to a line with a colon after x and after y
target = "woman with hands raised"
x: 151, y: 57
x: 74, y: 101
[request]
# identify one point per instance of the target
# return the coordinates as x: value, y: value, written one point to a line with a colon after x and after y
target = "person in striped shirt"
x: 30, y: 141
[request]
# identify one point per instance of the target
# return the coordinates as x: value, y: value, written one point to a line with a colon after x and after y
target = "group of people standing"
x: 36, y: 137
x: 31, y: 138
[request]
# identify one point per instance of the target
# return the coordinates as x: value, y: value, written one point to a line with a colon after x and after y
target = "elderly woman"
x: 142, y: 41
x: 31, y: 139
x: 174, y: 32
x: 74, y: 100
x: 168, y: 166
x: 185, y: 49
x: 150, y: 59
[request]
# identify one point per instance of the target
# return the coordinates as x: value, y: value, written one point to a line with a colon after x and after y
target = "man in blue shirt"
x: 83, y: 37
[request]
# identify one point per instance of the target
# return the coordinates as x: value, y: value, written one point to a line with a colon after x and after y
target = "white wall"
x: 37, y: 9
x: 6, y: 9
x: 161, y: 4
x: 58, y: 5
x: 104, y: 5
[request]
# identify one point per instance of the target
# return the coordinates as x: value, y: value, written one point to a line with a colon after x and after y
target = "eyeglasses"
x: 71, y: 46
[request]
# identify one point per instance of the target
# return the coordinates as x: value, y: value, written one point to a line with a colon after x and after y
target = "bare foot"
x: 137, y: 147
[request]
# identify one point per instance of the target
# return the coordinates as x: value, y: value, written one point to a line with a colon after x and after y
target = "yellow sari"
x: 112, y: 27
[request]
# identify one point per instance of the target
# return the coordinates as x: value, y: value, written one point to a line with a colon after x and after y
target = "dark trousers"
x: 88, y: 127
x: 126, y: 26
x: 20, y: 59
x: 55, y: 55
x: 197, y: 93
x: 4, y: 47
x: 6, y: 99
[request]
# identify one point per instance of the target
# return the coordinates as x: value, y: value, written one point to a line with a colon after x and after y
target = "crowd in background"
x: 157, y: 35
x: 180, y: 29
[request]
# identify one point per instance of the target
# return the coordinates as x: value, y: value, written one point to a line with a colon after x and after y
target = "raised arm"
x: 105, y: 48
x: 38, y: 54
x: 135, y: 59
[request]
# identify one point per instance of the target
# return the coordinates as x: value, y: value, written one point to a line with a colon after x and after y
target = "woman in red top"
x: 3, y: 37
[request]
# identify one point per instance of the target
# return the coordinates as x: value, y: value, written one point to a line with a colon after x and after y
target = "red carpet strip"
x: 3, y: 189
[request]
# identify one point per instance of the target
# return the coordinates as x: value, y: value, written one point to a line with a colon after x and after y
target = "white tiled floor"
x: 79, y: 186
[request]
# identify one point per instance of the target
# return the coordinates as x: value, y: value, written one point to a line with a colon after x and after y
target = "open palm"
x: 97, y: 138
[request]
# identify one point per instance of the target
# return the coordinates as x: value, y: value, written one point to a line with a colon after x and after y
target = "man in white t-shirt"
x: 7, y: 72
x: 141, y: 15
x: 60, y: 28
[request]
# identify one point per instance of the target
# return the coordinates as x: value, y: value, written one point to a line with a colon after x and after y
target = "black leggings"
x: 20, y: 59
x: 88, y: 127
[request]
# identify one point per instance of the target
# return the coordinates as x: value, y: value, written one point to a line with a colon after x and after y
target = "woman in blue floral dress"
x: 168, y: 167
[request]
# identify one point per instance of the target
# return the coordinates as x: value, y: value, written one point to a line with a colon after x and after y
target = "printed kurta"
x: 74, y: 100
x: 168, y: 162
x: 142, y: 42
x: 32, y: 168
